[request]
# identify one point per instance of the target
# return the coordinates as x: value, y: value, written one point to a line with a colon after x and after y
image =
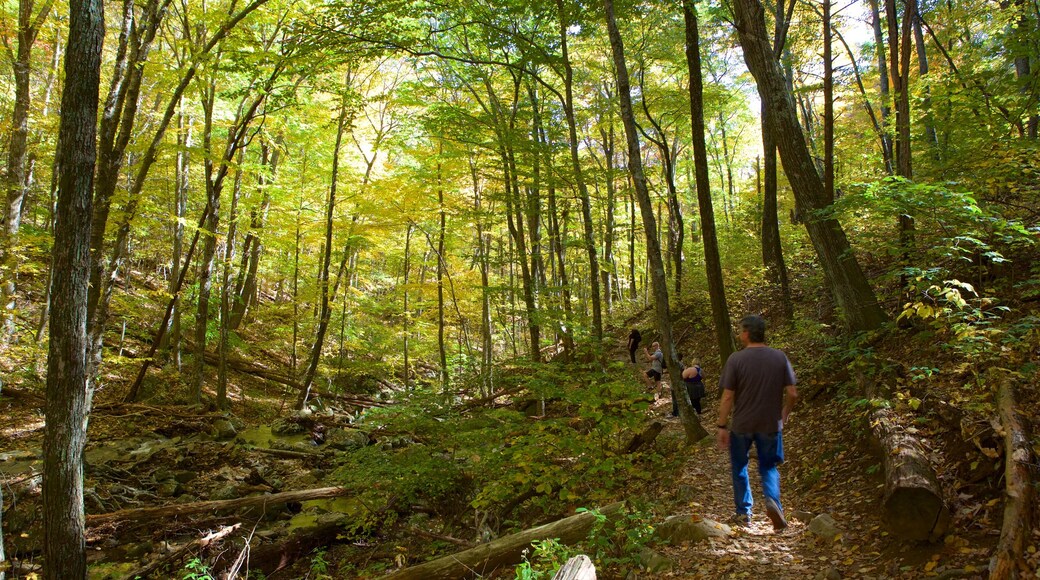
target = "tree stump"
x: 913, y: 505
x: 577, y: 568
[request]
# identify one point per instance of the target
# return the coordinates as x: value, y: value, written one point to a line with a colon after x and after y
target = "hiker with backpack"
x: 693, y: 380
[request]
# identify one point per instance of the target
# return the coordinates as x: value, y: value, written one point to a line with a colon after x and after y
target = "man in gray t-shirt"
x: 759, y: 387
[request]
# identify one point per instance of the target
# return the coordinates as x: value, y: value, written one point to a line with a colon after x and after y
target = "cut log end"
x: 916, y: 513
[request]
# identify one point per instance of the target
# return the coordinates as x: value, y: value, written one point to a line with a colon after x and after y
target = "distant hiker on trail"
x: 755, y: 381
x: 653, y: 374
x: 633, y: 343
x: 694, y: 382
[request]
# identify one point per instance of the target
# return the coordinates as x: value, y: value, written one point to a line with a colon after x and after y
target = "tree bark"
x: 323, y: 273
x: 225, y: 289
x: 442, y: 231
x: 848, y: 285
x: 692, y: 427
x: 69, y: 390
x: 1019, y: 477
x: 913, y: 504
x: 187, y: 509
x: 577, y: 568
x: 17, y: 183
x: 828, y: 105
x: 712, y: 260
x: 579, y: 176
x: 246, y: 286
x: 886, y: 110
x: 503, y: 551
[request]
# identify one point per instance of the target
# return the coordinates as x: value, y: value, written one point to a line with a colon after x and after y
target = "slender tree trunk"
x: 608, y: 236
x: 69, y: 389
x: 926, y: 102
x: 828, y: 105
x: 17, y: 159
x: 694, y: 430
x: 850, y: 288
x: 326, y: 259
x: 579, y: 176
x: 712, y: 260
x: 209, y: 248
x: 180, y: 208
x: 225, y: 289
x: 407, y: 315
x: 772, y: 250
x: 483, y: 250
x: 886, y: 111
x: 442, y: 231
x: 899, y: 55
x: 631, y: 244
x: 246, y: 286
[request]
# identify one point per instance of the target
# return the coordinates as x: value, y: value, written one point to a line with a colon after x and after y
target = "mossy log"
x: 503, y: 551
x: 914, y: 508
x: 184, y: 509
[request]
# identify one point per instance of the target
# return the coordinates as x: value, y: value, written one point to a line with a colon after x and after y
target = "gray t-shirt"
x: 757, y: 376
x: 655, y: 361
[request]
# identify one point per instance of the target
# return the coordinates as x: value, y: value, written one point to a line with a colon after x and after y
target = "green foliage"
x: 196, y: 569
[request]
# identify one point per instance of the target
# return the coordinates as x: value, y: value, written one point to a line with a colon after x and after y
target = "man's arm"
x: 790, y: 399
x: 722, y: 433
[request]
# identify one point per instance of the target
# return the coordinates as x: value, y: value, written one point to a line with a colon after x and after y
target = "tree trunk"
x: 926, y: 101
x: 326, y: 259
x: 577, y: 568
x: 772, y: 249
x: 17, y: 159
x: 608, y: 271
x: 180, y: 208
x: 442, y: 231
x: 913, y: 504
x: 508, y: 550
x: 68, y: 388
x: 245, y: 288
x: 712, y: 260
x: 899, y: 55
x: 225, y: 288
x: 202, y: 507
x: 579, y: 176
x: 694, y: 430
x: 850, y: 288
x: 406, y: 314
x: 886, y: 111
x: 828, y: 105
x: 209, y: 245
x: 1019, y: 478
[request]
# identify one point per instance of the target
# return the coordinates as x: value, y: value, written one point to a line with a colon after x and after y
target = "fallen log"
x: 185, y: 509
x: 646, y: 437
x: 1007, y: 560
x: 503, y: 551
x: 301, y: 542
x: 251, y: 368
x: 175, y: 556
x: 913, y: 505
x: 577, y: 568
x: 287, y: 453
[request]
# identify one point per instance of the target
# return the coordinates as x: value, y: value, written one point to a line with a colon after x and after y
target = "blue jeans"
x: 770, y: 448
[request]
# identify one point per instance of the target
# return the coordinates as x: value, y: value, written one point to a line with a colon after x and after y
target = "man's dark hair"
x: 755, y: 327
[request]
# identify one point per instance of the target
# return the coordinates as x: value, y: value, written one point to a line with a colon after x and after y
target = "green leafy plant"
x: 196, y: 569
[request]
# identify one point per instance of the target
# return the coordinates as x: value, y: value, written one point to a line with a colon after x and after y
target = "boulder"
x: 824, y: 526
x: 223, y: 429
x: 345, y: 439
x: 653, y: 562
x: 681, y: 529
